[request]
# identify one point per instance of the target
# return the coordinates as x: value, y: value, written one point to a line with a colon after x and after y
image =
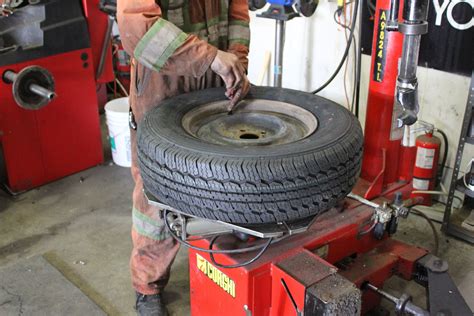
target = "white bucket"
x: 116, y: 115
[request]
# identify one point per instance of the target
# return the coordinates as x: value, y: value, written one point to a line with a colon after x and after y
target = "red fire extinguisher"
x: 426, y: 165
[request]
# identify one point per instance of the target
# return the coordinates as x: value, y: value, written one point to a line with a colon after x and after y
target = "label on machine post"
x: 381, y: 47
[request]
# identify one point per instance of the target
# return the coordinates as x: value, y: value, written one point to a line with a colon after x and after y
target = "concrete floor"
x: 81, y: 225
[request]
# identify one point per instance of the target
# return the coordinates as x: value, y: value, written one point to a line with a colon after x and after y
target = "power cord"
x: 212, y: 252
x: 346, y: 52
x: 237, y: 265
x: 433, y: 228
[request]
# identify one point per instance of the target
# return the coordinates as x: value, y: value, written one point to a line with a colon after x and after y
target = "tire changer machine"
x: 337, y: 262
x: 53, y: 56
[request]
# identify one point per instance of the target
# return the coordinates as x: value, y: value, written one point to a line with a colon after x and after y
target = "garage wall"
x: 313, y: 49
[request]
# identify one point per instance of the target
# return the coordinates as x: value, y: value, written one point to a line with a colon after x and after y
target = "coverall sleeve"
x: 158, y: 44
x: 239, y: 31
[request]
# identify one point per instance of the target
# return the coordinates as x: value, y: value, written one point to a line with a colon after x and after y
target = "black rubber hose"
x: 440, y: 172
x: 355, y: 87
x: 224, y: 251
x: 433, y: 228
x: 346, y: 52
x: 237, y: 265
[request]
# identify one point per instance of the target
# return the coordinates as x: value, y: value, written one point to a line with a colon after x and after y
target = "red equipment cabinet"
x: 64, y: 137
x: 426, y: 165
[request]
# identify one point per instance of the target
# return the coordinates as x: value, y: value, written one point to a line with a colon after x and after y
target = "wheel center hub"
x: 254, y: 123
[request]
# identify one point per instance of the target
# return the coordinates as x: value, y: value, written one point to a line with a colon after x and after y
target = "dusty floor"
x: 81, y: 226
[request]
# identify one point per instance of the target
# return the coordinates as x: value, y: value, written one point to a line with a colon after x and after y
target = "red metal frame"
x: 336, y: 235
x: 381, y: 150
x: 333, y: 237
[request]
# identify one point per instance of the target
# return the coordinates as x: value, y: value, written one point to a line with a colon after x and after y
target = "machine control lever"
x: 385, y: 217
x: 403, y: 304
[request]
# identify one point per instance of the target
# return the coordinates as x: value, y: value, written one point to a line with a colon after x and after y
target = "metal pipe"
x: 409, y: 59
x: 105, y: 46
x: 11, y: 76
x: 392, y: 23
x: 362, y: 200
x: 39, y: 90
x: 415, y: 14
x: 279, y: 45
x: 386, y: 295
x: 403, y: 305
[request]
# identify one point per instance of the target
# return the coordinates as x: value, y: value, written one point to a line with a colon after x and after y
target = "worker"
x: 177, y: 46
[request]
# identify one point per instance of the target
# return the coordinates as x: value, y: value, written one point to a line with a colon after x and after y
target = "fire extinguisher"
x: 426, y: 166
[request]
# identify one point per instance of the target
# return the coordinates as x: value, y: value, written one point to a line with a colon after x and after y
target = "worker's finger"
x: 245, y: 87
x: 238, y: 74
x: 235, y: 99
x: 229, y: 80
x: 229, y: 93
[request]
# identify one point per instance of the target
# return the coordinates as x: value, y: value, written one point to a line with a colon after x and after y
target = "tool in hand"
x: 234, y: 100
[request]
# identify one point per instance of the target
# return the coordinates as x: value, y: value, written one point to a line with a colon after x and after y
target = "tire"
x: 255, y: 185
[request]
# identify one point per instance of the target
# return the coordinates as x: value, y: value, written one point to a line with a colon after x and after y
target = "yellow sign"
x: 217, y: 276
x: 381, y: 47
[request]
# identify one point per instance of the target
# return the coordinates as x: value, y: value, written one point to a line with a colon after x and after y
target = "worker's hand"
x: 228, y: 67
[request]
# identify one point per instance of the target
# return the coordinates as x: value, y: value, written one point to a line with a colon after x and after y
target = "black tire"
x: 264, y: 184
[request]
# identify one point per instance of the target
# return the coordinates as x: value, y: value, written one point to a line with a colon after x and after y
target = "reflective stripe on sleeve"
x: 148, y: 227
x: 239, y: 32
x: 158, y: 44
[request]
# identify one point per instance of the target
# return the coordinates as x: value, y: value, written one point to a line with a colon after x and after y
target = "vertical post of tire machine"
x: 393, y: 99
x: 382, y: 136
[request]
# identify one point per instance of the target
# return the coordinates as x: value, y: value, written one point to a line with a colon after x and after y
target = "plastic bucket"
x: 116, y: 117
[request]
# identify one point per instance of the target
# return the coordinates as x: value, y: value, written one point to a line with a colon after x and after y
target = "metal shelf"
x: 452, y: 225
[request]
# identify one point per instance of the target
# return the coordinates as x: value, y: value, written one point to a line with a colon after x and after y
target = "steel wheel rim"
x: 255, y: 122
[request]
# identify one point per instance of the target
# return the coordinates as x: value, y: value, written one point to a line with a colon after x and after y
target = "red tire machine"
x: 52, y: 58
x: 336, y: 263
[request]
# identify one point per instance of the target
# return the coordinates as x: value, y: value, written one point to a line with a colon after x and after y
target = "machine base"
x: 333, y: 248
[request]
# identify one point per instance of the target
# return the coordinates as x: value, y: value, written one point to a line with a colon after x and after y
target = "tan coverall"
x: 172, y: 44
